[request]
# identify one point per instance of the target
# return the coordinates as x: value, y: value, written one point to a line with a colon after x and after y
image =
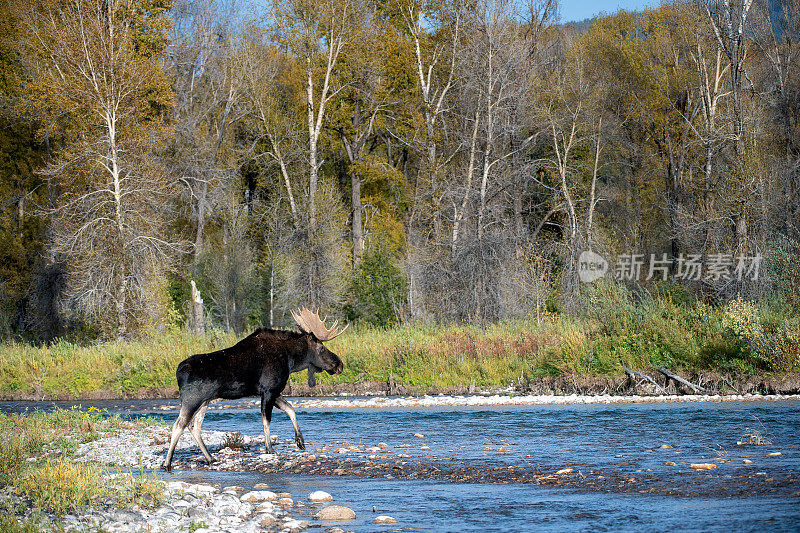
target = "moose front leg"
x: 267, y: 402
x: 287, y: 408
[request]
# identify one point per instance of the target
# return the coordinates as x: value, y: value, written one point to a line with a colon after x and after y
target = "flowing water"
x: 630, y: 464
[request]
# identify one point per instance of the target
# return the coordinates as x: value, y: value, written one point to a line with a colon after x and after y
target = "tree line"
x: 386, y: 160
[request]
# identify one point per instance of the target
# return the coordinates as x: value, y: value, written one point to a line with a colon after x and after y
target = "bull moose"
x: 258, y: 365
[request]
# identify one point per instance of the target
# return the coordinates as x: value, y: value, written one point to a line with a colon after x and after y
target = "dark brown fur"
x: 258, y: 365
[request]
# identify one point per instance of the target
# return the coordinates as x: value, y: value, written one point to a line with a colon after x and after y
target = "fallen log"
x: 679, y: 380
x: 633, y: 375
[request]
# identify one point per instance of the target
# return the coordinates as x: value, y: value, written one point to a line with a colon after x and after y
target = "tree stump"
x: 197, y: 323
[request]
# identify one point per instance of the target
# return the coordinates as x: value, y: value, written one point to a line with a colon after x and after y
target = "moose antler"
x: 310, y: 322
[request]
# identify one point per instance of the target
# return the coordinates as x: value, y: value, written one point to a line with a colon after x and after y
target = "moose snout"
x: 337, y: 369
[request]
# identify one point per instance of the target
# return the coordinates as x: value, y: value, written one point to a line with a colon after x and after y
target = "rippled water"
x: 598, y: 436
x: 606, y: 440
x: 458, y: 507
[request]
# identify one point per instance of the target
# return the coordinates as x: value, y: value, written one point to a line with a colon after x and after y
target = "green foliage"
x: 385, y: 190
x: 669, y: 327
x: 640, y: 330
x: 378, y: 290
x: 61, y: 486
x: 64, y: 369
x: 22, y: 231
x: 783, y: 263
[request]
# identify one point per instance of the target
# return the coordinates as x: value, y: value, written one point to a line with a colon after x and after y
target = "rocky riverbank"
x: 507, y: 399
x: 191, y: 507
x: 198, y: 507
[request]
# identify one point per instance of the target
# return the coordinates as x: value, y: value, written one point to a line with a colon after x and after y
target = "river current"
x: 447, y: 454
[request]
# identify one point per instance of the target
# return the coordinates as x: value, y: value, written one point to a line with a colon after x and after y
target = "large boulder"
x: 335, y: 512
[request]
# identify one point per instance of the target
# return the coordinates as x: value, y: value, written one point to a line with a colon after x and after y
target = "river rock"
x: 335, y: 512
x: 181, y: 504
x: 256, y: 496
x: 774, y: 454
x: 265, y: 507
x: 224, y: 507
x: 320, y: 496
x: 202, y: 489
x: 174, y: 486
x: 295, y: 525
x: 245, y: 510
x: 564, y: 471
x: 383, y: 519
x: 703, y: 466
x: 260, y: 486
x: 197, y: 514
x: 267, y: 521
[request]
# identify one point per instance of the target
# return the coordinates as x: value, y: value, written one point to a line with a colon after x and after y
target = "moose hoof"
x: 300, y: 442
x: 166, y: 468
x: 212, y: 460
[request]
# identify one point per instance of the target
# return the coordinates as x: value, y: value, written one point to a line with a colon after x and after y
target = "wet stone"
x: 259, y: 496
x: 320, y: 496
x: 267, y: 521
x: 336, y: 512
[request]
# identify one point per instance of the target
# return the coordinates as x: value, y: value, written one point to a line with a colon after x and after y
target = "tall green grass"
x: 662, y: 327
x: 64, y: 369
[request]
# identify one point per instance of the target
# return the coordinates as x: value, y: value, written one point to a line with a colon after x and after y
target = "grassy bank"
x: 35, y: 451
x: 618, y: 327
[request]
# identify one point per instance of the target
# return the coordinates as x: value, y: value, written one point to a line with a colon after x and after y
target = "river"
x: 620, y: 467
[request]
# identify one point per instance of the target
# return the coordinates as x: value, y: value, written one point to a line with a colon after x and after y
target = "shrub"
x: 234, y: 441
x: 378, y: 290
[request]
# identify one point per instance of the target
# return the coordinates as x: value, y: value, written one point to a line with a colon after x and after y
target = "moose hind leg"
x: 194, y: 429
x: 267, y: 402
x: 287, y: 408
x: 184, y: 417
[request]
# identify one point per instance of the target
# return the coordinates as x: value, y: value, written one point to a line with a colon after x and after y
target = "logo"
x: 591, y: 266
